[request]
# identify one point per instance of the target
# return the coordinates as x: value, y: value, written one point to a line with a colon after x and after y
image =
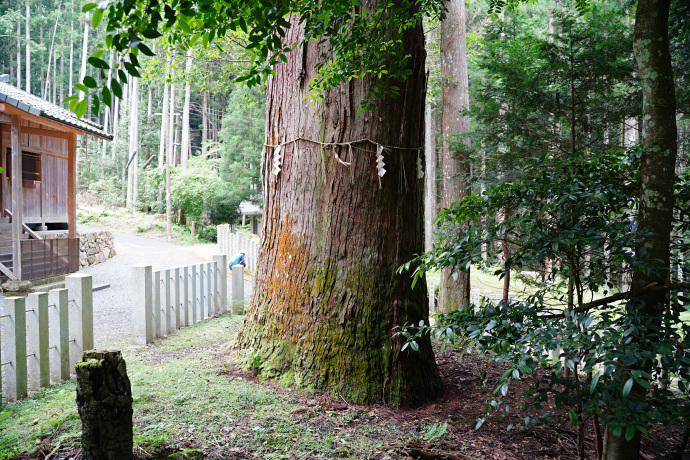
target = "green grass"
x: 190, y: 396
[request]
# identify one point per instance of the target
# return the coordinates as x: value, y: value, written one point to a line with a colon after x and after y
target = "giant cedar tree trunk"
x: 656, y: 171
x: 327, y: 295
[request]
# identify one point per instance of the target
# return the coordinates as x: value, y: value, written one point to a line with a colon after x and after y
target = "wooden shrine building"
x: 38, y: 187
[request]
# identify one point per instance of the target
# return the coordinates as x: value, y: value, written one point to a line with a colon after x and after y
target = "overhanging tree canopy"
x: 335, y: 228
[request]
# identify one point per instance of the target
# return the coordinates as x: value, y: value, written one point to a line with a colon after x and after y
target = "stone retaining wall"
x: 94, y: 247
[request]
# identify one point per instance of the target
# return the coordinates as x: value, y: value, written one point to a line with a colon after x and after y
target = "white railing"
x: 43, y: 336
x: 167, y: 300
x: 231, y: 244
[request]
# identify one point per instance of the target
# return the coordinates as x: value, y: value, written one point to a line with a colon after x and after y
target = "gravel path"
x: 112, y: 306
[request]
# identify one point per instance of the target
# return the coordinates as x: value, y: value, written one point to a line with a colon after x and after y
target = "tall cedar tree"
x: 327, y: 297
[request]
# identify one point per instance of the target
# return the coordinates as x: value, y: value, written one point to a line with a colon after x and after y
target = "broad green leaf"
x: 132, y: 70
x: 96, y: 19
x: 89, y: 82
x: 629, y: 433
x: 627, y: 387
x: 107, y: 96
x: 595, y: 380
x: 480, y: 422
x: 573, y: 417
x: 117, y: 89
x: 98, y: 63
x: 88, y: 7
x: 81, y: 108
x: 95, y: 106
x: 145, y: 49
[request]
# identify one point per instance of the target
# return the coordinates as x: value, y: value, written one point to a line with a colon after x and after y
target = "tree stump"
x: 104, y: 400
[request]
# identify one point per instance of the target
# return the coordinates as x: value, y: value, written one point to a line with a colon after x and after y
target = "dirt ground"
x: 399, y: 434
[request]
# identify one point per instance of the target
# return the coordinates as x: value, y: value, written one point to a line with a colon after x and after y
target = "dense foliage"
x: 561, y: 91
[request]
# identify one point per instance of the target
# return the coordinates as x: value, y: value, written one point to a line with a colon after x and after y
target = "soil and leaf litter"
x: 196, y: 397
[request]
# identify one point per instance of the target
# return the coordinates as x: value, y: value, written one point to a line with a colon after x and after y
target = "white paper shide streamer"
x: 277, y: 161
x: 420, y: 171
x: 379, y: 161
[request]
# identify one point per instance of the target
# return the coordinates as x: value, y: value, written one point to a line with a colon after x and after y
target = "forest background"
x: 546, y: 81
x: 522, y: 65
x: 216, y: 126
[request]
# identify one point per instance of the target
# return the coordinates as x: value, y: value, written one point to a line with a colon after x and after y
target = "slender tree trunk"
x: 149, y: 120
x: 40, y: 48
x: 84, y: 53
x: 104, y: 147
x: 50, y: 52
x: 164, y: 121
x: 454, y: 294
x: 328, y: 296
x: 62, y: 73
x: 204, y: 122
x: 28, y: 47
x: 132, y: 173
x: 651, y: 48
x: 170, y: 158
x: 54, y: 80
x: 430, y: 176
x: 184, y: 149
x: 71, y: 53
x: 178, y: 132
x: 19, y: 48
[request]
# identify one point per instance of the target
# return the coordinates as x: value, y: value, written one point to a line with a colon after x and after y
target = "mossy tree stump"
x: 104, y: 401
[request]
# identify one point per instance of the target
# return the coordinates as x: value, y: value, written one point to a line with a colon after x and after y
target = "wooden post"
x: 142, y: 314
x: 80, y: 293
x: 37, y: 340
x: 238, y: 289
x: 208, y: 291
x: 157, y: 317
x: 14, y: 332
x: 17, y: 207
x: 71, y: 186
x: 202, y: 296
x: 195, y: 299
x: 185, y: 297
x: 59, y: 334
x: 179, y: 318
x: 168, y: 301
x: 221, y: 282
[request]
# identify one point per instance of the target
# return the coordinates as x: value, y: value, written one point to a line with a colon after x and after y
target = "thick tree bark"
x: 454, y: 294
x: 328, y: 296
x: 651, y: 48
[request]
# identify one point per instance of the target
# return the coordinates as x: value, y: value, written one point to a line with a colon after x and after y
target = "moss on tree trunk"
x: 327, y: 295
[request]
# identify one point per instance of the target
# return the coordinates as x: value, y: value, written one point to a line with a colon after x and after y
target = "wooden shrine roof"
x: 38, y: 107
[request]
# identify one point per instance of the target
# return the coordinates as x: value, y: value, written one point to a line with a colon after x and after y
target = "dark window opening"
x: 31, y: 166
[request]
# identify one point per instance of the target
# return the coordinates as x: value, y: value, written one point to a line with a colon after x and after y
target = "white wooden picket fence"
x: 43, y: 336
x: 231, y: 244
x: 167, y: 300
